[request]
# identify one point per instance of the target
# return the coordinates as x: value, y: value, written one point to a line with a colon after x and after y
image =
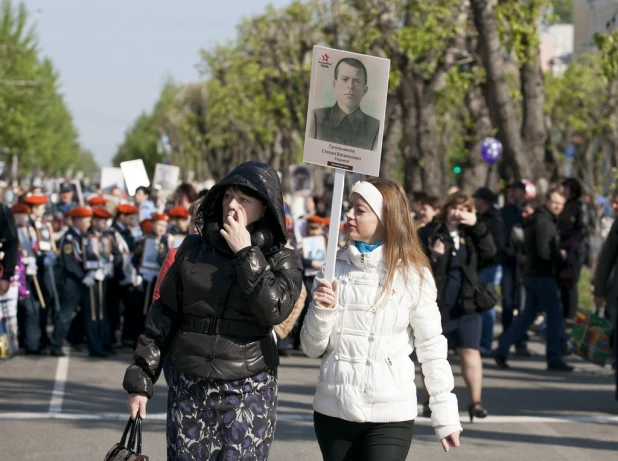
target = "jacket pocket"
x: 261, y: 355
x: 401, y: 371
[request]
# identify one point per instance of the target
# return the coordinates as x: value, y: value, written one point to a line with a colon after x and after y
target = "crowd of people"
x: 211, y: 288
x: 83, y: 274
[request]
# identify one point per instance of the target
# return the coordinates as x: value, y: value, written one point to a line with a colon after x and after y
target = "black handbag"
x: 485, y: 294
x: 131, y: 450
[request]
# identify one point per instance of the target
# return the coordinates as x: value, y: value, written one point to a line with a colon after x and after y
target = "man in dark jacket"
x: 490, y: 271
x: 573, y: 227
x: 512, y: 218
x: 542, y: 244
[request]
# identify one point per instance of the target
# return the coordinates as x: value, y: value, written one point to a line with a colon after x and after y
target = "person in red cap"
x: 179, y: 219
x: 150, y: 253
x: 44, y: 247
x: 97, y: 201
x: 26, y: 269
x: 146, y: 226
x: 80, y: 271
x: 101, y: 258
x: 122, y: 287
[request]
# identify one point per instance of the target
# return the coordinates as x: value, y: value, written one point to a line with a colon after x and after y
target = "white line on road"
x: 62, y: 370
x: 309, y: 417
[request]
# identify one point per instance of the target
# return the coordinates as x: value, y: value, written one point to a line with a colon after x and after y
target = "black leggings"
x: 342, y: 440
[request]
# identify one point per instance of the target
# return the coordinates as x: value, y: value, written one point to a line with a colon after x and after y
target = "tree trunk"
x: 475, y: 170
x: 408, y: 144
x: 428, y: 147
x: 391, y: 162
x: 533, y: 130
x: 496, y: 90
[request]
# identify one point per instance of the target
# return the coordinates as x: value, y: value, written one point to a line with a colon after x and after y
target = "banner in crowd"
x: 166, y: 178
x: 347, y: 105
x: 111, y: 177
x: 135, y: 175
x: 301, y: 180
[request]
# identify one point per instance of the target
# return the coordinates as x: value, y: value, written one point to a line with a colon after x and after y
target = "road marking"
x: 62, y: 370
x: 309, y: 417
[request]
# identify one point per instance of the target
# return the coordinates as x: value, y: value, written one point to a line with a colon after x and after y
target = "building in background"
x: 556, y: 49
x: 590, y: 17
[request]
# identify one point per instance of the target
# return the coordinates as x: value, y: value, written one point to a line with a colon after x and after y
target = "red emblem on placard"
x: 325, y: 57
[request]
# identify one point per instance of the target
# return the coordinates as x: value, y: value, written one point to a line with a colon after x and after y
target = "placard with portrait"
x: 347, y: 105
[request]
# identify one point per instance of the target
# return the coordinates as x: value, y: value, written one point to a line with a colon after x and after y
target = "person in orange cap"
x: 97, y: 201
x: 124, y: 221
x: 80, y: 270
x: 146, y: 226
x: 102, y: 260
x: 149, y: 263
x: 179, y: 219
x: 44, y: 247
x: 28, y: 303
x: 122, y: 288
x: 37, y: 204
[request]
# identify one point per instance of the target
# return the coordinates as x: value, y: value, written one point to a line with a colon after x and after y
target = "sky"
x: 114, y: 56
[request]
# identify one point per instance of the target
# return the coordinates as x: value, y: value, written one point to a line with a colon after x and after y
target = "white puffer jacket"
x: 366, y: 374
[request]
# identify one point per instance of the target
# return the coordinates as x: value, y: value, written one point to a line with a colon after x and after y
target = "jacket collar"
x: 339, y: 116
x: 369, y: 262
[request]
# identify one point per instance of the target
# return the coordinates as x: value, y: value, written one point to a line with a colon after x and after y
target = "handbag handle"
x: 129, y: 425
x: 138, y: 448
x: 131, y: 442
x: 135, y: 441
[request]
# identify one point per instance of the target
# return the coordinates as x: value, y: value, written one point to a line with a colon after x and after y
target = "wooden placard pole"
x: 335, y: 220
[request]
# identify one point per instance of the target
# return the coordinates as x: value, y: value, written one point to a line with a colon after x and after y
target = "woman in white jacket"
x: 380, y: 307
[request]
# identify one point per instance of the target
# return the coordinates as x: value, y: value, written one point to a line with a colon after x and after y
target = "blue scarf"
x: 366, y: 248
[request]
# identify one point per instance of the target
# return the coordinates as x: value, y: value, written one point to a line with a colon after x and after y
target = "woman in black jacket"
x: 573, y: 225
x: 453, y: 238
x: 227, y: 288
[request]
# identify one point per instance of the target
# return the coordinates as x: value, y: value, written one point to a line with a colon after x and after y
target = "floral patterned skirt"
x: 221, y: 420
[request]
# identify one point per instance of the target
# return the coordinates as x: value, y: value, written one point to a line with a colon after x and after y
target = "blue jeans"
x: 492, y: 275
x: 541, y: 295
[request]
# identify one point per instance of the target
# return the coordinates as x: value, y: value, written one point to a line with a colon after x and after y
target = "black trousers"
x: 342, y: 440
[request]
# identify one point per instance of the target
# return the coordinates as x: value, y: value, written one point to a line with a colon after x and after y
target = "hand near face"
x: 467, y: 218
x: 235, y: 230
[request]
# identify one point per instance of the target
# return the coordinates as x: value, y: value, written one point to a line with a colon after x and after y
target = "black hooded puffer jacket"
x: 216, y: 309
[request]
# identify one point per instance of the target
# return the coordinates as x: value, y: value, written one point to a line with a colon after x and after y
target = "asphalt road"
x: 534, y: 414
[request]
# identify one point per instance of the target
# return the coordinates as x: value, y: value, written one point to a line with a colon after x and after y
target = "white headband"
x: 371, y: 194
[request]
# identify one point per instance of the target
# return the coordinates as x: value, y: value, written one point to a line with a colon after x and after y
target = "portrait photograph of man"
x: 346, y: 110
x: 345, y: 122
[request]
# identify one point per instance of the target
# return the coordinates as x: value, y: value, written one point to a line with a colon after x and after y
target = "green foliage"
x: 562, y: 11
x: 36, y: 124
x: 141, y: 142
x: 518, y: 26
x: 576, y: 100
x: 427, y: 36
x: 608, y: 46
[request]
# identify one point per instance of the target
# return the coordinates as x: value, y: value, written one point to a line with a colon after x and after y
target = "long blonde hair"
x: 402, y: 247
